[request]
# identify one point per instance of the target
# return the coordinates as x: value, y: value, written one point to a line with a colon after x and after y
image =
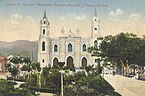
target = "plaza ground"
x: 126, y: 86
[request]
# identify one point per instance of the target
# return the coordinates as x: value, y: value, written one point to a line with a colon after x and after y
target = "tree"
x: 123, y: 50
x: 12, y: 69
x: 14, y: 65
x: 88, y: 68
x: 16, y: 60
x: 26, y: 66
x: 27, y: 60
x: 61, y: 64
x: 91, y: 85
x: 36, y: 66
x: 6, y: 89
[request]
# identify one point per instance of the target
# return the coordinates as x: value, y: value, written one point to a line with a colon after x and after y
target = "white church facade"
x: 70, y: 48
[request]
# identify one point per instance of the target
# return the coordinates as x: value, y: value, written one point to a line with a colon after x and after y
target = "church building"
x: 70, y: 48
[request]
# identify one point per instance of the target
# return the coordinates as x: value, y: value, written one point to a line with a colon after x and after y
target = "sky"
x: 20, y: 19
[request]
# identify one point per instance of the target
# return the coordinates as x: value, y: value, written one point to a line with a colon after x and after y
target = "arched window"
x: 84, y: 62
x: 43, y: 31
x: 43, y: 61
x: 55, y: 48
x: 84, y: 47
x: 69, y: 47
x: 70, y: 62
x: 55, y: 62
x: 44, y: 22
x: 95, y: 44
x: 43, y: 46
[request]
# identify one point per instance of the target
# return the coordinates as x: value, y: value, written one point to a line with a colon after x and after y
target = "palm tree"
x: 27, y: 60
x: 27, y: 66
x: 12, y: 69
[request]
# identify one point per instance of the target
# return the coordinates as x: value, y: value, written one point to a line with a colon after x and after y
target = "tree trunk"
x: 122, y: 70
x: 13, y: 83
x: 134, y: 69
x: 28, y: 75
x: 123, y: 67
x: 127, y: 69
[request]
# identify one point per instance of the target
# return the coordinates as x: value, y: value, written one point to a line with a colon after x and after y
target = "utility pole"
x: 31, y: 55
x: 61, y: 84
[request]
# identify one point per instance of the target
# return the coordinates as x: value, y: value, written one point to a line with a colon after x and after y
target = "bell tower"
x: 43, y: 42
x: 95, y: 29
x: 95, y: 34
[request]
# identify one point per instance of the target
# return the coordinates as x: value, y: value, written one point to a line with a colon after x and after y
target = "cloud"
x: 62, y: 18
x: 74, y: 16
x: 80, y: 17
x: 118, y: 12
x: 30, y: 17
x: 135, y: 17
x: 115, y: 15
x: 16, y: 19
x: 115, y: 19
x: 14, y: 22
x: 121, y: 22
x: 16, y: 16
x: 135, y: 23
x: 23, y: 27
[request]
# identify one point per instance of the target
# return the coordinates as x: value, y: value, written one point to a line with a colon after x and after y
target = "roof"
x: 45, y: 16
x: 70, y: 34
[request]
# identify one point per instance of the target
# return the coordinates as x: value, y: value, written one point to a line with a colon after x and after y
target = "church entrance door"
x: 69, y: 62
x: 84, y: 63
x: 55, y: 62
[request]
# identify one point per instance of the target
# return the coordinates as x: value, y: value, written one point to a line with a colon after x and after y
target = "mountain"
x: 20, y: 47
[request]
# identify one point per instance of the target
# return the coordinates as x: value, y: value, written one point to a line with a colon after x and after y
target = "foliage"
x: 125, y: 47
x: 88, y: 68
x: 50, y: 81
x: 61, y: 64
x: 72, y: 68
x: 8, y: 67
x: 93, y: 51
x: 122, y: 50
x: 16, y: 60
x: 14, y: 71
x: 5, y: 86
x: 74, y: 85
x: 7, y: 89
x: 79, y: 75
x: 99, y: 69
x: 92, y: 85
x: 36, y: 66
x: 25, y: 68
x: 27, y: 60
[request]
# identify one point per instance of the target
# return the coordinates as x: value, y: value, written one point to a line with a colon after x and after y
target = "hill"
x: 20, y: 47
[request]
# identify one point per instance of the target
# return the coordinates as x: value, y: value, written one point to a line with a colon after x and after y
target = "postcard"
x: 72, y: 47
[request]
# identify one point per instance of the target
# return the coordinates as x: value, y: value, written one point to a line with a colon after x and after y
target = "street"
x: 126, y: 86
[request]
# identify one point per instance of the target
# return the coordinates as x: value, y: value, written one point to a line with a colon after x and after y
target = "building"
x: 3, y: 61
x: 70, y: 48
